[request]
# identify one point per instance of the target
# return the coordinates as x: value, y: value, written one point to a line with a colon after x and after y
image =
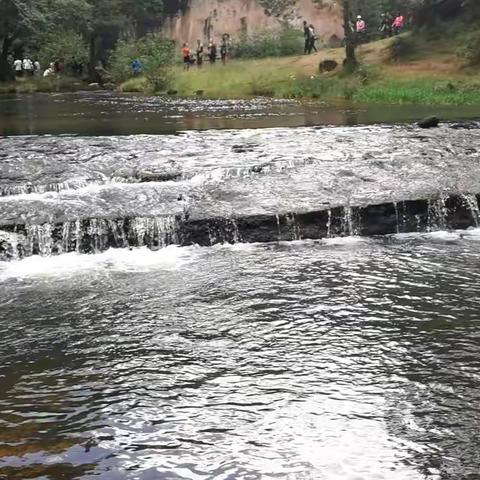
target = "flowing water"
x: 250, y: 357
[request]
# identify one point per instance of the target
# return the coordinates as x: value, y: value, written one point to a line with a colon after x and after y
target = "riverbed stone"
x: 429, y: 122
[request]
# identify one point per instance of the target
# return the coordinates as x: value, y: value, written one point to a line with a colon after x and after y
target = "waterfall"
x: 89, y: 236
x: 293, y: 226
x: 436, y: 215
x: 329, y: 224
x: 350, y: 222
x: 471, y: 202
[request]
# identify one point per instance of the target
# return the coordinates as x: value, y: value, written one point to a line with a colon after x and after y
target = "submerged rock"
x: 429, y: 122
x: 158, y: 176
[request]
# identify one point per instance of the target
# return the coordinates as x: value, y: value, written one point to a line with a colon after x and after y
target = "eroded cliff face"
x: 204, y: 19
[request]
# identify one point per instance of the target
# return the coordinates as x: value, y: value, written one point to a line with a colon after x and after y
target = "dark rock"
x: 172, y: 92
x: 465, y: 125
x: 199, y: 93
x: 158, y: 176
x: 327, y: 66
x: 429, y: 122
x: 247, y: 147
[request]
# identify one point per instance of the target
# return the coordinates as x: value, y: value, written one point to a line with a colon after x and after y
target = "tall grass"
x: 421, y: 91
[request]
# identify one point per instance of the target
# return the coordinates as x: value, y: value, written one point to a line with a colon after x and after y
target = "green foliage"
x: 155, y: 54
x: 63, y: 45
x: 402, y: 47
x: 470, y: 50
x: 287, y: 41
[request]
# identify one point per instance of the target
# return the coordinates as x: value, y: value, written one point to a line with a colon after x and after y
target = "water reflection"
x: 345, y: 359
x: 106, y: 113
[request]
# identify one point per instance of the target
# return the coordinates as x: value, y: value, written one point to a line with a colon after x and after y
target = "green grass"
x: 134, y: 85
x: 239, y: 79
x: 421, y: 91
x: 248, y: 78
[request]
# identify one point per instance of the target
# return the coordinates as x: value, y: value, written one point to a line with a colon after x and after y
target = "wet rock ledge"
x: 459, y: 211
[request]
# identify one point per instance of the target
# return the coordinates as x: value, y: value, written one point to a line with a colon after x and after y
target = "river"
x: 273, y: 351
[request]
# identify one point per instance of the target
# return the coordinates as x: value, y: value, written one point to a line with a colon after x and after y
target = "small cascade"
x: 293, y: 226
x: 436, y: 215
x: 40, y: 239
x: 89, y: 236
x: 471, y: 202
x: 350, y: 222
x: 279, y: 229
x: 329, y: 224
x: 224, y: 230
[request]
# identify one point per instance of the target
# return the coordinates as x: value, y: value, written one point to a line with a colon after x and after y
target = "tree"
x: 17, y: 18
x: 30, y: 21
x: 350, y: 58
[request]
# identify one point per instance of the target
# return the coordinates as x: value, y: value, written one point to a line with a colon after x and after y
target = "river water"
x: 340, y: 358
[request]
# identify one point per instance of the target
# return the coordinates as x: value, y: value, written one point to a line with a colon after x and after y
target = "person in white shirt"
x: 48, y: 72
x: 17, y: 65
x: 37, y: 67
x: 28, y: 67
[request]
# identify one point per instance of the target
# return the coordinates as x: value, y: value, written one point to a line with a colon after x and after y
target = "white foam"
x: 121, y: 259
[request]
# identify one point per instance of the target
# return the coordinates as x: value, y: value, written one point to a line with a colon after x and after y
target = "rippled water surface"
x: 348, y: 359
x: 107, y: 113
x: 343, y: 358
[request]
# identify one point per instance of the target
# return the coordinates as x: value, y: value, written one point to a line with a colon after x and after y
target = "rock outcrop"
x: 204, y: 19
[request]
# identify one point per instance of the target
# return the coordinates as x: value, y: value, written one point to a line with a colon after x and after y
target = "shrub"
x: 62, y: 45
x: 270, y: 43
x: 401, y: 47
x: 470, y: 51
x: 155, y: 54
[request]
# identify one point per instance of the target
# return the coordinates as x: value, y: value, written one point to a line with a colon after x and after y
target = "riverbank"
x: 43, y: 85
x: 407, y: 69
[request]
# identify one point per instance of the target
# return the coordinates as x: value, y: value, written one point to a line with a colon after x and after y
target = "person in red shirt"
x: 186, y: 56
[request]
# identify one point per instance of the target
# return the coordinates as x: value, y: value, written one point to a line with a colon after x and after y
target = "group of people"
x: 310, y: 38
x: 198, y: 56
x: 25, y: 67
x: 389, y: 25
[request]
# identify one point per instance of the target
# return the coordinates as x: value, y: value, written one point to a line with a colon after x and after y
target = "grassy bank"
x: 420, y: 69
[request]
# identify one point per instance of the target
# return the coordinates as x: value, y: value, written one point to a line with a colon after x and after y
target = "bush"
x: 402, y: 47
x: 155, y: 54
x: 284, y: 42
x: 470, y: 51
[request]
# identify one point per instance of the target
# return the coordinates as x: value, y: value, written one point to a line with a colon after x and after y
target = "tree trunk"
x: 92, y: 58
x: 5, y: 69
x: 350, y: 62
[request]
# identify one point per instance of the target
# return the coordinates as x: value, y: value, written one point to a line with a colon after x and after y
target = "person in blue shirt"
x: 136, y: 67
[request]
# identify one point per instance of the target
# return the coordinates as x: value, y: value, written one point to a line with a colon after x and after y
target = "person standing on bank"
x: 224, y: 48
x: 37, y: 68
x: 18, y: 67
x: 306, y: 36
x: 199, y: 53
x: 186, y: 56
x: 360, y: 29
x: 212, y: 51
x: 313, y: 39
x: 28, y: 67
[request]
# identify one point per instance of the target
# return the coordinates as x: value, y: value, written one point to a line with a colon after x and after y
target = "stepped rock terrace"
x: 86, y: 194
